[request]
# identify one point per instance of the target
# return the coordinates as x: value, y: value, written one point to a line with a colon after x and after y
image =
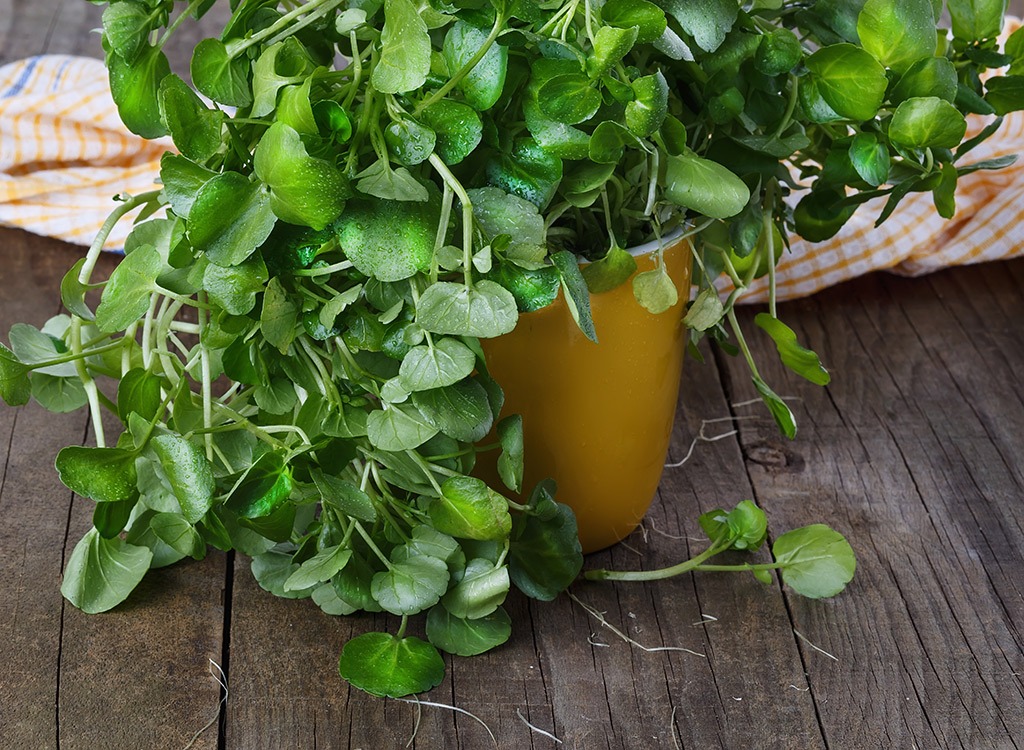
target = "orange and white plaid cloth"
x: 64, y: 154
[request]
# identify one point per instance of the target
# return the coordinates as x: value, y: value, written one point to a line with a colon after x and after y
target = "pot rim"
x: 654, y: 245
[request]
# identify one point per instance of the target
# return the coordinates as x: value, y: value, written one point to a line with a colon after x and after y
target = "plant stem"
x: 656, y: 575
x: 96, y: 248
x: 177, y: 22
x: 234, y: 50
x: 467, y: 215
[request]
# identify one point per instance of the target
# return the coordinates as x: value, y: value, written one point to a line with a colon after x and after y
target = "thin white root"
x: 804, y: 638
x: 705, y: 619
x: 674, y: 730
x: 448, y: 707
x: 416, y: 724
x: 599, y: 616
x: 704, y: 438
x: 536, y: 729
x: 222, y: 680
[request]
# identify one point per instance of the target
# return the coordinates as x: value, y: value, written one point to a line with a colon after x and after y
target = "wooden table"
x: 914, y: 452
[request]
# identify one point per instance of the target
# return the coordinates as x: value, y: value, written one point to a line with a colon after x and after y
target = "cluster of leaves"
x: 815, y: 561
x: 295, y: 336
x: 858, y: 100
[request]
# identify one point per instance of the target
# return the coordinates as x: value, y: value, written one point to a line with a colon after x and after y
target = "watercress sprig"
x: 292, y: 339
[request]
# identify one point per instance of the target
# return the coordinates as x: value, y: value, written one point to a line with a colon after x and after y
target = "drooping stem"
x: 656, y: 575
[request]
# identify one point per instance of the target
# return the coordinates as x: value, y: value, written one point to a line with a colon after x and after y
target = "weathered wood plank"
x: 905, y: 453
x: 34, y: 505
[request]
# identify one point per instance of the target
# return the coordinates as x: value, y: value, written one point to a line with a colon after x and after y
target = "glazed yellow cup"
x: 597, y: 417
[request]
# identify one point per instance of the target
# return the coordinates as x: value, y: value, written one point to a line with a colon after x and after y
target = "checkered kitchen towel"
x: 64, y: 154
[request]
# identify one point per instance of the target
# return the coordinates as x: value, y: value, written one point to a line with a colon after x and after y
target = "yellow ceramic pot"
x: 597, y: 417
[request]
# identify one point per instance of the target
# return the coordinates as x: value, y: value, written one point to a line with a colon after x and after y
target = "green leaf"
x: 469, y: 509
x: 72, y: 292
x: 577, y: 295
x: 33, y: 347
x: 389, y: 240
x: 849, y: 79
x: 105, y: 475
x: 647, y: 18
x: 870, y: 158
x: 234, y: 288
x: 821, y: 214
x: 704, y: 186
x: 178, y: 534
x: 126, y: 25
x: 945, y: 192
x: 138, y: 392
x: 134, y: 89
x: 279, y: 316
x: 230, y: 218
x: 266, y: 487
x: 221, y: 77
x: 125, y: 298
x: 647, y: 111
x: 277, y: 66
x: 707, y: 21
x: 486, y: 310
x: 611, y: 44
x: 780, y: 412
x: 457, y: 128
x: 398, y: 427
x: 182, y: 180
x: 933, y: 76
x: 460, y: 411
x: 706, y: 311
x: 381, y: 181
x: 481, y: 591
x: 140, y: 535
x: 272, y: 569
x: 529, y: 171
x: 897, y: 33
x: 58, y: 395
x: 405, y: 50
x: 189, y: 472
x: 569, y: 98
x: 410, y: 142
x: 927, y: 122
x: 322, y: 566
x: 803, y: 362
x: 613, y: 270
x: 326, y: 597
x: 111, y: 518
x: 15, y: 387
x: 778, y: 52
x: 745, y: 526
x: 383, y: 665
x: 464, y: 637
x: 545, y: 555
x: 344, y: 496
x: 483, y: 85
x: 817, y: 561
x: 655, y: 290
x: 974, y: 20
x: 1006, y: 94
x: 410, y: 586
x: 436, y: 365
x: 510, y: 460
x: 195, y: 129
x: 303, y: 190
x: 101, y: 573
x: 497, y: 212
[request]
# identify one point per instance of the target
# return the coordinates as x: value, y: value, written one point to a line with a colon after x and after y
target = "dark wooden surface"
x: 914, y: 452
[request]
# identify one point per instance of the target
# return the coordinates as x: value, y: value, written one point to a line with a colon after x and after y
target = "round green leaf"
x: 101, y: 573
x: 486, y: 310
x: 134, y: 89
x: 410, y: 586
x: 647, y: 17
x: 384, y: 665
x: 927, y: 122
x: 405, y: 50
x: 460, y: 411
x: 480, y: 592
x: 457, y: 127
x: 389, y: 240
x: 483, y: 85
x: 230, y: 218
x: 850, y: 80
x: 445, y: 362
x: 897, y: 33
x: 221, y: 77
x: 101, y: 474
x: 467, y: 637
x: 469, y: 509
x: 195, y: 129
x: 817, y: 561
x: 569, y: 99
x: 704, y: 186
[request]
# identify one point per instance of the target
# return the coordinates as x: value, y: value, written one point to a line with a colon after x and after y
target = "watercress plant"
x: 361, y: 190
